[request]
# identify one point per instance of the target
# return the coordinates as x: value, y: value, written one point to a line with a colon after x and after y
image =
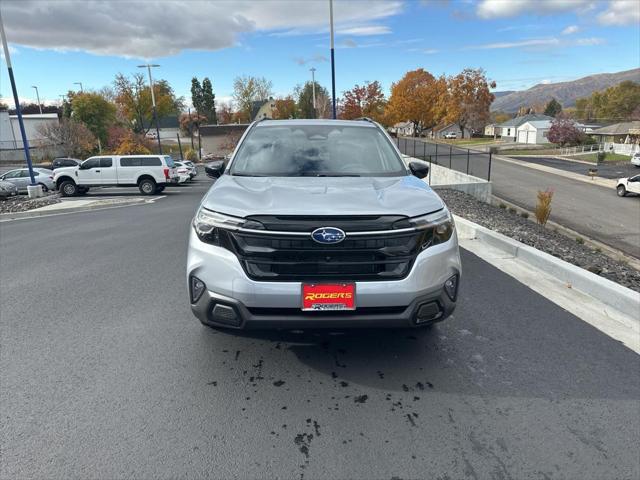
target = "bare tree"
x: 248, y: 89
x: 74, y: 137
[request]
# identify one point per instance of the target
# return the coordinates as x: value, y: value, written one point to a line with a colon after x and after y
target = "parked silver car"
x: 20, y: 178
x: 7, y: 190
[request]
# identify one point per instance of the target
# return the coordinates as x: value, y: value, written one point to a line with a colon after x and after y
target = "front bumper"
x: 256, y: 304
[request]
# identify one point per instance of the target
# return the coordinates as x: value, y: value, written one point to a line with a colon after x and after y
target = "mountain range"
x: 565, y: 92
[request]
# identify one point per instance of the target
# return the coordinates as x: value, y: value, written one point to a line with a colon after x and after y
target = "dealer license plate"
x: 328, y: 296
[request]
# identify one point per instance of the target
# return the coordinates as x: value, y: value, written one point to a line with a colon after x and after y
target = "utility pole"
x: 153, y: 102
x: 333, y: 62
x: 313, y: 89
x: 33, y: 189
x: 38, y: 97
x: 79, y: 83
x: 191, y: 130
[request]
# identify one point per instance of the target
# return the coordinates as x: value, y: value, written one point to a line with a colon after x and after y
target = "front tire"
x: 44, y: 187
x: 147, y: 186
x: 68, y: 189
x: 622, y: 192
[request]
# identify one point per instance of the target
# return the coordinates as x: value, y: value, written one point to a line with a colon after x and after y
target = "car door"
x: 108, y: 171
x: 633, y: 184
x: 90, y: 172
x: 20, y: 178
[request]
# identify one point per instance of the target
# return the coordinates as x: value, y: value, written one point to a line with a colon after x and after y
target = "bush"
x: 601, y: 157
x: 580, y: 240
x: 502, y: 206
x: 132, y: 144
x: 524, y: 215
x: 191, y: 155
x: 543, y: 206
x: 512, y: 210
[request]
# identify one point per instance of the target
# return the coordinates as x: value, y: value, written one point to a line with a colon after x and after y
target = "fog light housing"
x: 197, y: 289
x: 451, y: 287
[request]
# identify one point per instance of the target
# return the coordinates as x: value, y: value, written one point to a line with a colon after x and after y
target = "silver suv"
x: 319, y: 223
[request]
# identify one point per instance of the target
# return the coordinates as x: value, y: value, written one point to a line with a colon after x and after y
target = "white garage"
x: 533, y: 132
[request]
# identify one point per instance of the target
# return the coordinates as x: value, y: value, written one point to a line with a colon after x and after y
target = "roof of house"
x: 517, y: 121
x: 618, y: 128
x: 539, y: 123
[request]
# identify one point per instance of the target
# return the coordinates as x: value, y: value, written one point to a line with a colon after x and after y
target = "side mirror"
x: 419, y: 168
x: 214, y: 169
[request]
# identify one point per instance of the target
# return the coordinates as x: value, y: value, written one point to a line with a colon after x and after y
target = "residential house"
x: 263, y: 109
x: 403, y: 129
x: 491, y: 130
x: 533, y: 132
x: 508, y: 129
x: 623, y: 138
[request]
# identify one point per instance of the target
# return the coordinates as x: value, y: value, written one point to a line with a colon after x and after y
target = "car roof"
x: 319, y: 121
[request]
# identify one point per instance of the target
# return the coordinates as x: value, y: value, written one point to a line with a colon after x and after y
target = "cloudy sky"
x: 520, y: 43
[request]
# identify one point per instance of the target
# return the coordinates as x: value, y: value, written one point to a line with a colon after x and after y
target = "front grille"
x: 269, y: 257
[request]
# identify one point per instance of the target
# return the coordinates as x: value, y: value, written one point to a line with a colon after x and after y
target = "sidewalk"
x: 77, y: 205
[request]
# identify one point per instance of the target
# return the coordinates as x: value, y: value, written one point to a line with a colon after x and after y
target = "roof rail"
x: 365, y: 119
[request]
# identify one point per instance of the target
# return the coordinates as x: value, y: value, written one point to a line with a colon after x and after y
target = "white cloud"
x: 509, y: 8
x: 12, y: 51
x: 540, y: 43
x: 318, y: 58
x: 537, y: 42
x: 144, y: 29
x: 570, y: 30
x: 621, y: 12
x: 546, y: 81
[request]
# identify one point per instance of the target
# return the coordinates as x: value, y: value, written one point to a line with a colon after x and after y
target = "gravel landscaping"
x: 569, y: 249
x: 22, y: 203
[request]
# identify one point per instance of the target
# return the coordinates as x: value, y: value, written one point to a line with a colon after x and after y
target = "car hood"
x: 244, y: 196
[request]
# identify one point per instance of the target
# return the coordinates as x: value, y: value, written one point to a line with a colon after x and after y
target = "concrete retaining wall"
x: 442, y: 177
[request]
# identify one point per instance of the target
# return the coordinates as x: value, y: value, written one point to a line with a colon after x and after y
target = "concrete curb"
x: 610, y: 293
x: 600, y: 182
x: 42, y: 213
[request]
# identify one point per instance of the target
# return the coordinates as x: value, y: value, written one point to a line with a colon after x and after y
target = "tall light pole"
x: 153, y: 103
x: 38, y: 97
x: 33, y: 188
x: 79, y: 83
x: 313, y: 89
x: 333, y: 62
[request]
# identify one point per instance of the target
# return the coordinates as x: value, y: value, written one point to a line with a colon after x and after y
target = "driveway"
x: 105, y: 373
x: 605, y: 170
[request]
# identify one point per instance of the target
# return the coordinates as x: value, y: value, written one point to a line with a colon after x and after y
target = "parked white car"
x: 150, y: 173
x: 183, y: 171
x: 192, y: 167
x: 628, y: 185
x: 451, y: 135
x: 635, y: 159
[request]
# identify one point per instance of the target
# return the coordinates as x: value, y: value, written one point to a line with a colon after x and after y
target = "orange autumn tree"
x: 285, y: 108
x: 363, y: 101
x: 469, y: 99
x: 418, y: 97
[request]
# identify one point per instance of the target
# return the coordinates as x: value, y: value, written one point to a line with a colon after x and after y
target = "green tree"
x: 553, y: 108
x: 615, y: 103
x: 248, y: 89
x: 208, y: 101
x: 305, y: 101
x: 95, y: 112
x: 196, y: 94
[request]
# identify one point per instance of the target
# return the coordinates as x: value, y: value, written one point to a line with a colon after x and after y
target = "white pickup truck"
x: 150, y: 173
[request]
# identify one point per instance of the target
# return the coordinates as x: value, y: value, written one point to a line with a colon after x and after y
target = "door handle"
x: 97, y: 171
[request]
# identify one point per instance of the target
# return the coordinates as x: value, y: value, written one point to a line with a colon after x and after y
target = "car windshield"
x: 317, y: 150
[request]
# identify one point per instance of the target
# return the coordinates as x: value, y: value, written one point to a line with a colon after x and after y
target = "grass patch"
x: 468, y: 141
x: 609, y: 157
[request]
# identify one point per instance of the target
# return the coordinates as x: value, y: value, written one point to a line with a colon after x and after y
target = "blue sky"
x: 519, y: 43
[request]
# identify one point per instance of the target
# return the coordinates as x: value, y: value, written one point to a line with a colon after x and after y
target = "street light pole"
x: 79, y: 83
x: 38, y: 97
x: 33, y: 188
x: 153, y: 103
x: 333, y: 63
x: 313, y: 89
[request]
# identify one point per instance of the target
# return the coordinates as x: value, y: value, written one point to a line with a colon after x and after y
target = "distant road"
x: 594, y: 211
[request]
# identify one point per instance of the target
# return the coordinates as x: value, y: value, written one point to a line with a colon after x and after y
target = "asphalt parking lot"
x: 105, y: 373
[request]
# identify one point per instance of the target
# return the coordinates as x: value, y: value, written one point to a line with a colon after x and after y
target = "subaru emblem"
x: 328, y: 235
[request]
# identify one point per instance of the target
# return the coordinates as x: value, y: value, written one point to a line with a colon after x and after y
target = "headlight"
x: 210, y: 226
x: 439, y: 227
